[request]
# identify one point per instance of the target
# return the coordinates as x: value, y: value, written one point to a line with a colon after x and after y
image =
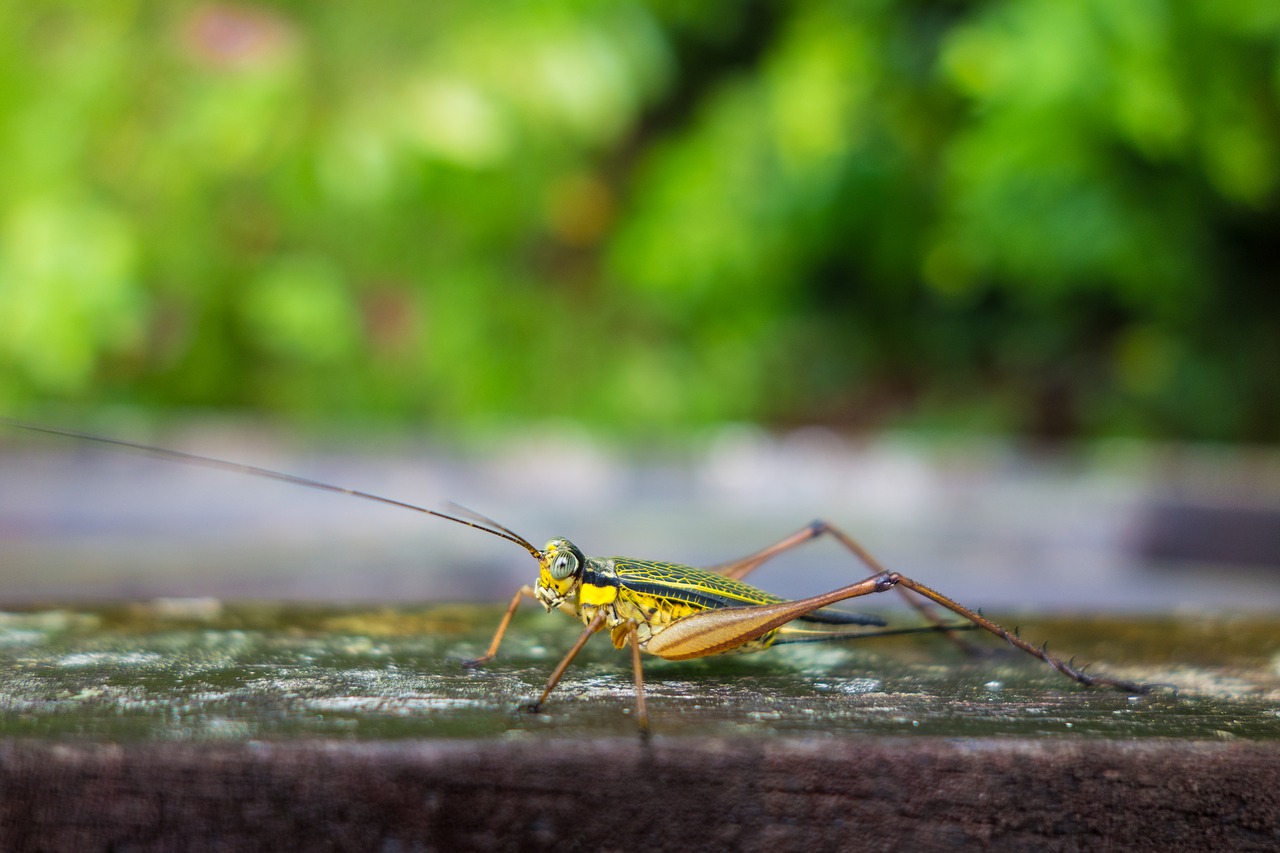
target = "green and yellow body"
x: 653, y: 596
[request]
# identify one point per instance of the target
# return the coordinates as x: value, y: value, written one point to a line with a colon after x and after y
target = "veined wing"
x: 706, y: 590
x: 703, y: 589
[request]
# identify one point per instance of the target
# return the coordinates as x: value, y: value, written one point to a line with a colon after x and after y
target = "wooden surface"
x: 743, y: 794
x: 189, y: 724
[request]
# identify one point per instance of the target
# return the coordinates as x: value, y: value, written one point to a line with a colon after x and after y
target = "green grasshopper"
x: 673, y: 611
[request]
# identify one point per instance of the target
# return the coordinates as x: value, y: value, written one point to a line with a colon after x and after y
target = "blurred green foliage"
x: 1028, y: 215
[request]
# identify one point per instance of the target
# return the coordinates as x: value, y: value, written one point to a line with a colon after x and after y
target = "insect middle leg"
x: 740, y: 568
x: 593, y: 626
x: 642, y: 715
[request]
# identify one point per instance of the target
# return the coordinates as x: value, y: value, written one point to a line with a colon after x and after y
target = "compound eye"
x: 563, y: 566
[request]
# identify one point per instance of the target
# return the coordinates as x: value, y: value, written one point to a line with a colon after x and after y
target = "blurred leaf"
x: 1018, y: 214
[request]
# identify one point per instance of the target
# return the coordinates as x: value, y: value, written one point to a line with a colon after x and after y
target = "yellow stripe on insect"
x: 590, y: 595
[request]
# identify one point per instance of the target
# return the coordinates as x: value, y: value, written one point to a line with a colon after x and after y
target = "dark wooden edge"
x: 778, y: 794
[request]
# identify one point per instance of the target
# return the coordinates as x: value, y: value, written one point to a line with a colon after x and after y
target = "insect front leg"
x: 526, y: 591
x: 738, y: 569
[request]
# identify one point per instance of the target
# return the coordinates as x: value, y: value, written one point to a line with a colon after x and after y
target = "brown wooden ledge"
x: 814, y: 794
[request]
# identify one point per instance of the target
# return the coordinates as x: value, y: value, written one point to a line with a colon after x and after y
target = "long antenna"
x: 267, y: 473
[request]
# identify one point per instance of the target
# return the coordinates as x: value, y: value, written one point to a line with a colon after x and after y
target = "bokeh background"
x: 664, y: 224
x: 1056, y: 219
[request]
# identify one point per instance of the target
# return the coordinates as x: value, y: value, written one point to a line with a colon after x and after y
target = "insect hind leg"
x: 740, y: 568
x: 714, y: 631
x: 1041, y: 652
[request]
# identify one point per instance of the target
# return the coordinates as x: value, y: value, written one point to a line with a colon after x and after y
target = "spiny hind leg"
x: 743, y: 566
x: 713, y: 631
x: 1041, y: 652
x: 740, y: 568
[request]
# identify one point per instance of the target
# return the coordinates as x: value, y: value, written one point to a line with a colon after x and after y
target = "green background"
x: 1034, y: 217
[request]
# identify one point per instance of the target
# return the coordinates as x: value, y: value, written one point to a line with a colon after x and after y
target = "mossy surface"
x: 199, y: 670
